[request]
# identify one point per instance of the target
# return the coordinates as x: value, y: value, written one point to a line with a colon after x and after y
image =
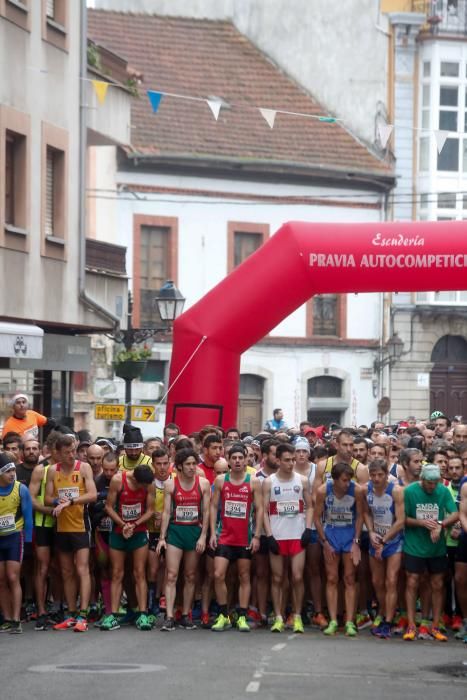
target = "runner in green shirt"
x: 429, y: 509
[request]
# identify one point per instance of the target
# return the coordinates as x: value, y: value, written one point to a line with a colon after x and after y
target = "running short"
x: 263, y: 545
x: 136, y: 541
x: 183, y: 536
x: 390, y: 548
x: 461, y: 554
x: 340, y: 538
x: 232, y: 552
x: 69, y: 542
x: 153, y: 541
x: 12, y: 547
x: 43, y: 536
x: 314, y: 537
x: 289, y: 548
x: 418, y: 565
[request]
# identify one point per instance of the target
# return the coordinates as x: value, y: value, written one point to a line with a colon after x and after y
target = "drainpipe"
x: 83, y: 295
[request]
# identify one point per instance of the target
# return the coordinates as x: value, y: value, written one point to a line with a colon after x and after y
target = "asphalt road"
x: 199, y: 664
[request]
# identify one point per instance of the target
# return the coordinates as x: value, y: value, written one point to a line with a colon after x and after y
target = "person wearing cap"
x: 23, y: 420
x: 429, y: 510
x: 310, y: 435
x: 15, y: 532
x: 441, y: 422
x: 106, y: 444
x: 133, y: 455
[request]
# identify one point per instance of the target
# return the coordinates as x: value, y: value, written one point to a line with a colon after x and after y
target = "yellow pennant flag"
x: 101, y: 89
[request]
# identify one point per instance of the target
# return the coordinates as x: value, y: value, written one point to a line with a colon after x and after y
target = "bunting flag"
x: 384, y: 134
x: 215, y: 107
x: 155, y: 99
x: 100, y: 88
x: 440, y: 137
x: 328, y: 120
x: 269, y: 115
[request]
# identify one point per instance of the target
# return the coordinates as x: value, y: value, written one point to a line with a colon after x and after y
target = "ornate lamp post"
x: 131, y: 362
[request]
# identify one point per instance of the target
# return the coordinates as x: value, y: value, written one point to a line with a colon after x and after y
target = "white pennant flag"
x: 441, y: 137
x: 215, y: 106
x: 384, y: 133
x: 269, y: 115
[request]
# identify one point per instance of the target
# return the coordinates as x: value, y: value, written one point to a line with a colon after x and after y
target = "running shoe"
x: 456, y: 623
x: 331, y: 629
x: 186, y: 623
x: 41, y: 623
x: 242, y: 624
x: 15, y: 627
x: 81, y: 625
x: 350, y: 629
x: 169, y: 625
x: 438, y: 635
x: 142, y: 623
x: 385, y: 631
x: 162, y: 604
x: 93, y: 613
x: 400, y: 625
x: 221, y: 623
x: 67, y: 624
x: 319, y: 620
x: 152, y: 619
x: 460, y: 634
x: 205, y: 621
x: 424, y: 632
x: 447, y: 621
x: 377, y: 621
x: 298, y: 625
x: 376, y: 630
x: 410, y: 633
x: 196, y: 612
x: 289, y: 622
x: 278, y: 625
x: 109, y: 623
x: 363, y: 621
x: 253, y: 615
x: 178, y: 615
x: 128, y: 618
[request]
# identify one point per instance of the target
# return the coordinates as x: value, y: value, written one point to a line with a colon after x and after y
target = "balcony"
x: 109, y: 122
x: 444, y: 17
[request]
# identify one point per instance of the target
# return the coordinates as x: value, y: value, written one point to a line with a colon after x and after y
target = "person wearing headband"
x: 15, y: 532
x: 133, y: 455
x: 23, y: 420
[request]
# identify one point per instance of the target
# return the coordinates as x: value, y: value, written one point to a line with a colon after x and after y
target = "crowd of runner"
x: 337, y: 528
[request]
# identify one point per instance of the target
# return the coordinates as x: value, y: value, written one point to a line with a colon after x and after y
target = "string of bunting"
x: 155, y: 98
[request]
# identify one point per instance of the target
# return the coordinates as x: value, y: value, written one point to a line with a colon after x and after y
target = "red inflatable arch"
x: 300, y: 260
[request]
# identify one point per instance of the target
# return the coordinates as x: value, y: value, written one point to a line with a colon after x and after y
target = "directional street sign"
x: 145, y: 413
x: 109, y: 411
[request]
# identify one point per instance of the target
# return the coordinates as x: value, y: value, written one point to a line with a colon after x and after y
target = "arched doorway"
x: 448, y: 378
x: 250, y: 403
x: 325, y: 400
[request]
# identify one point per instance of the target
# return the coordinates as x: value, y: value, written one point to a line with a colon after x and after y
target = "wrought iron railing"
x: 443, y: 16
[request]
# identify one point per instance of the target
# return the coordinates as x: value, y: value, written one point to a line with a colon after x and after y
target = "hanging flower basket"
x: 131, y: 369
x: 130, y: 364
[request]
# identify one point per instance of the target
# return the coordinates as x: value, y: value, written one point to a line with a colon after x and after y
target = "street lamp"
x: 170, y: 302
x: 393, y: 352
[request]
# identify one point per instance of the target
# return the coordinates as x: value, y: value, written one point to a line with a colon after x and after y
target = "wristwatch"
x: 440, y: 523
x: 357, y: 540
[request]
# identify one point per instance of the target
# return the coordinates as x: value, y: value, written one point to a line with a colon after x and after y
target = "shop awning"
x: 21, y: 340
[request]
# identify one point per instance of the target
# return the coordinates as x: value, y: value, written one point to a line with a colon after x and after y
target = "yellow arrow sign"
x: 109, y: 411
x: 143, y: 413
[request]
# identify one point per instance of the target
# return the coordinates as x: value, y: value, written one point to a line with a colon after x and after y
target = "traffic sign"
x: 144, y: 413
x: 109, y: 411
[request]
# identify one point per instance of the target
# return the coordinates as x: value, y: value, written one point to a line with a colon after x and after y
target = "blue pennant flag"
x: 155, y: 99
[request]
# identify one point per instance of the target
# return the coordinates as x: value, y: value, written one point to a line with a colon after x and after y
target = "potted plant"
x: 131, y: 363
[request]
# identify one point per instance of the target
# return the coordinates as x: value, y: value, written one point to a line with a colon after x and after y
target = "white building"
x: 196, y: 196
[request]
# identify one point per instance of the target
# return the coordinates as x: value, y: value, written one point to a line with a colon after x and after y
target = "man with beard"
x: 31, y: 454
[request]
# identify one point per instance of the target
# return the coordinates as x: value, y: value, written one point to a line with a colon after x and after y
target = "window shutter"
x: 50, y: 11
x: 49, y: 193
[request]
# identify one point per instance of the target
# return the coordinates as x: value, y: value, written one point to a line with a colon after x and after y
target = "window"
x: 55, y: 23
x: 54, y: 184
x: 14, y: 178
x: 424, y: 163
x: 325, y: 386
x: 447, y: 200
x: 16, y: 11
x: 154, y: 262
x: 243, y: 240
x: 451, y: 298
x: 449, y: 69
x: 448, y: 159
x: 325, y: 315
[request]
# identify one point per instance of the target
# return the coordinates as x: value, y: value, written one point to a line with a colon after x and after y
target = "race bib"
x: 342, y: 519
x: 288, y: 508
x: 186, y: 514
x: 131, y: 512
x: 381, y: 529
x: 427, y: 511
x: 68, y: 492
x: 105, y: 524
x: 235, y: 509
x: 7, y: 523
